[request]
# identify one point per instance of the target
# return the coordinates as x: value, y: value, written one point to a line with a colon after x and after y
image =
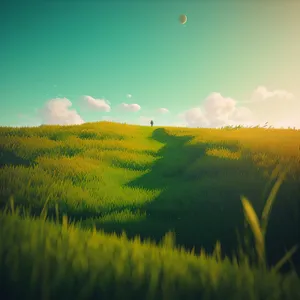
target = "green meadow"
x: 115, y: 211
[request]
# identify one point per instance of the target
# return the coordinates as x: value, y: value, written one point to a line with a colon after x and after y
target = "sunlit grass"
x: 125, y: 215
x: 31, y: 186
x: 223, y: 153
x: 45, y: 261
x: 104, y: 173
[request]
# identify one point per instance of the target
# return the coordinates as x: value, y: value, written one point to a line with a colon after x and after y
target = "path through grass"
x: 148, y: 181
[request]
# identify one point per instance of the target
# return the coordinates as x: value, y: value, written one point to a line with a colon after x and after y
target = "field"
x: 68, y: 192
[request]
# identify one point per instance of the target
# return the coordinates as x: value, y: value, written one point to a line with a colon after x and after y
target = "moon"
x: 183, y: 19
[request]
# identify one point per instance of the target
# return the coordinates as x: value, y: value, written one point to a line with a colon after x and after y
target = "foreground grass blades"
x: 259, y: 228
x: 43, y: 260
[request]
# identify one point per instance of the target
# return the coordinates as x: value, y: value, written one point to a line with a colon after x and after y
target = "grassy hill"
x: 144, y: 181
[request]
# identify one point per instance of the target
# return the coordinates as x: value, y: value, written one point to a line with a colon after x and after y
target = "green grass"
x: 147, y: 182
x: 41, y: 260
x: 259, y: 227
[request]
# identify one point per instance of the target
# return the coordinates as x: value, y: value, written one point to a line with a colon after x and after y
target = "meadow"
x: 118, y: 211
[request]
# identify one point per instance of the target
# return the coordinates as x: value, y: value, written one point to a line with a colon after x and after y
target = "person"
x: 151, y: 123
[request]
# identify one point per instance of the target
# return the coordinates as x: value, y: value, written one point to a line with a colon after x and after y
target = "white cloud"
x: 130, y: 107
x: 163, y: 110
x: 99, y: 104
x: 218, y: 109
x: 279, y: 108
x: 262, y: 93
x: 241, y: 114
x: 58, y: 112
x: 129, y: 96
x: 195, y: 117
x: 215, y: 111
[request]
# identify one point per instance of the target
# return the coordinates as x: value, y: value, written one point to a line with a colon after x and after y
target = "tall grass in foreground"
x: 259, y: 228
x: 44, y: 260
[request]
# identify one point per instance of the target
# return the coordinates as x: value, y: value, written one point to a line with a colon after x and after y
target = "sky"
x: 234, y: 62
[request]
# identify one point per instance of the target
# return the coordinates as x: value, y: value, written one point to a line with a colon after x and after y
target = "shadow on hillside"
x: 200, y: 207
x: 9, y: 158
x: 200, y: 198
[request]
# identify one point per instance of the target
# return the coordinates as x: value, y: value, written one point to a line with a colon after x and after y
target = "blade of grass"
x: 12, y: 205
x: 270, y: 201
x: 44, y: 210
x: 217, y: 253
x: 286, y: 257
x: 273, y: 176
x: 253, y: 221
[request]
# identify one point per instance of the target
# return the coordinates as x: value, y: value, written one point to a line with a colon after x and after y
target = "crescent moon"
x: 183, y: 19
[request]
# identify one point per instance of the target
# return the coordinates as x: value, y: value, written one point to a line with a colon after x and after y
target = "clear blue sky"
x: 206, y: 73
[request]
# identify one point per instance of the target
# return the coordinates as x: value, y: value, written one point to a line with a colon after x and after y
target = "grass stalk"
x: 253, y: 221
x: 12, y: 205
x: 259, y: 228
x: 270, y: 201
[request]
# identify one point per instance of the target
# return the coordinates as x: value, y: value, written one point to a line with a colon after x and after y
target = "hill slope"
x: 148, y: 181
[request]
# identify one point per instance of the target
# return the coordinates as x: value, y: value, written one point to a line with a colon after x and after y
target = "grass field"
x: 109, y: 178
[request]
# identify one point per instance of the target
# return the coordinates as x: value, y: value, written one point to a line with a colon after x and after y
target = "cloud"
x: 163, y: 110
x: 279, y: 108
x: 58, y: 112
x: 262, y: 93
x: 218, y: 109
x: 128, y: 96
x: 241, y: 116
x: 215, y: 112
x: 195, y: 118
x: 130, y: 107
x: 99, y: 104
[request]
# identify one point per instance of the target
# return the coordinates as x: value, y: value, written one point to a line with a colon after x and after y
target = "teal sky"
x: 106, y: 50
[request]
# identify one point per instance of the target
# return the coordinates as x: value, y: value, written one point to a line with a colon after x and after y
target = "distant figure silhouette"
x: 151, y: 123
